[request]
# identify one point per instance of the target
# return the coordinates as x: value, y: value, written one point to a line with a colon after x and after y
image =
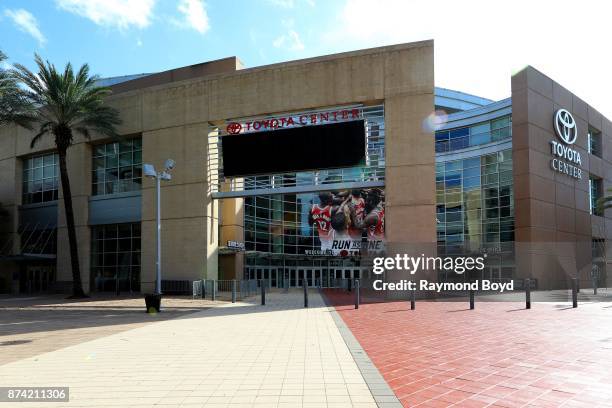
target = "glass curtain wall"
x: 117, y: 167
x: 475, y: 135
x: 115, y: 251
x: 475, y: 210
x: 40, y: 178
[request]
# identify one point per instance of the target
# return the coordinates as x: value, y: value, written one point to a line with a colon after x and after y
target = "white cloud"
x: 112, y: 13
x: 479, y: 45
x: 26, y: 22
x: 194, y: 15
x: 290, y: 41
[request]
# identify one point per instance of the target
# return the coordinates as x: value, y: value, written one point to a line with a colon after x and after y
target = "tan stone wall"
x: 553, y: 224
x: 173, y: 119
x: 401, y: 76
x: 231, y: 229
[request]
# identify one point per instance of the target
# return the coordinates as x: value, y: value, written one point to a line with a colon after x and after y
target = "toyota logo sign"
x: 565, y: 125
x: 234, y: 128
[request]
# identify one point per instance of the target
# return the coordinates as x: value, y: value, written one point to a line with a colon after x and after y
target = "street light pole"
x: 158, y: 237
x: 149, y: 171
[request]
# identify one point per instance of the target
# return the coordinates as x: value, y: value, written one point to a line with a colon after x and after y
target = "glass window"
x: 117, y: 167
x: 115, y: 257
x: 475, y: 135
x: 595, y: 194
x: 40, y: 178
x: 480, y: 138
x: 478, y: 196
x: 471, y: 172
x: 39, y: 242
x: 480, y: 134
x: 594, y: 141
x: 471, y: 163
x: 480, y: 128
x: 500, y: 122
x: 459, y: 133
x: 453, y: 165
x: 441, y: 136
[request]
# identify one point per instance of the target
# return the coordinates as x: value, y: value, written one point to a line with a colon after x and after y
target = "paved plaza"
x: 35, y: 325
x: 498, y: 355
x: 232, y: 355
x: 199, y: 353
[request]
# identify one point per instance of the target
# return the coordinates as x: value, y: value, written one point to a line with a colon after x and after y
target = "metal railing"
x: 228, y: 289
x: 174, y: 287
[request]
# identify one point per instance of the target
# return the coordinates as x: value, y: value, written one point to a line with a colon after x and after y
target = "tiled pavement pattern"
x: 500, y: 355
x: 36, y: 325
x: 382, y: 393
x: 241, y: 355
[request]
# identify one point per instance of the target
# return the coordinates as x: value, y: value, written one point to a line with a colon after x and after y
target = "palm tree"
x: 14, y: 106
x: 67, y: 102
x: 605, y: 202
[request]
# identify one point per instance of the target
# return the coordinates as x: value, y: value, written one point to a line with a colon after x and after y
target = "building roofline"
x: 216, y: 68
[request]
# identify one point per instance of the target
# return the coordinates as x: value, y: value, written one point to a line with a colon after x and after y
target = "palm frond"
x: 67, y: 101
x: 15, y: 105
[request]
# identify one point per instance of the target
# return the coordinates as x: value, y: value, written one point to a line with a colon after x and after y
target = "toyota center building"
x: 299, y: 171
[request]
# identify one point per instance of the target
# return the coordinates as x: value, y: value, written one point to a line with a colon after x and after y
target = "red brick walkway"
x: 443, y: 354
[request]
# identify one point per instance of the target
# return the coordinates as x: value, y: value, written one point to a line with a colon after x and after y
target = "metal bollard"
x: 234, y: 291
x: 357, y: 294
x: 527, y: 293
x: 594, y: 285
x: 203, y: 288
x: 305, y: 286
x: 471, y: 299
x: 263, y: 293
x: 574, y: 292
x: 213, y: 291
x: 413, y: 300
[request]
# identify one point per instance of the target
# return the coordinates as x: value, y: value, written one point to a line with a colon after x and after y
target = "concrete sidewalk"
x: 236, y: 355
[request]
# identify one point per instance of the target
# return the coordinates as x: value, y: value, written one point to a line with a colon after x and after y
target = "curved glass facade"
x: 475, y: 135
x: 475, y: 210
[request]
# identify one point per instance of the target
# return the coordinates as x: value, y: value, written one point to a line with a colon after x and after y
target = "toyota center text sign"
x: 567, y: 160
x: 288, y: 121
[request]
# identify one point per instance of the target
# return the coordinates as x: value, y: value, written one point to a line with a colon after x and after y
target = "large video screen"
x: 297, y: 149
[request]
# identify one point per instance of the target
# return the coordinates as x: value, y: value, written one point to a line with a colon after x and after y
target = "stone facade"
x: 554, y: 228
x: 172, y: 112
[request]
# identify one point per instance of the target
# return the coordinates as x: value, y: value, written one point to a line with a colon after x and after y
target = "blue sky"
x: 478, y: 43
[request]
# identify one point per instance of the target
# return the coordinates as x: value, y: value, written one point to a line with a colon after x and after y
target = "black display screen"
x: 296, y: 149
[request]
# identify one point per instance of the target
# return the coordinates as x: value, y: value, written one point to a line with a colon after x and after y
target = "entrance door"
x: 309, y: 277
x: 317, y: 278
x: 314, y: 277
x: 36, y: 278
x: 325, y: 278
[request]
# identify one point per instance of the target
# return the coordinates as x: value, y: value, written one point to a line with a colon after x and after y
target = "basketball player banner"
x: 349, y: 223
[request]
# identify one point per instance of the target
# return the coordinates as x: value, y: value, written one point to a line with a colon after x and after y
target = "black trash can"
x: 153, y: 302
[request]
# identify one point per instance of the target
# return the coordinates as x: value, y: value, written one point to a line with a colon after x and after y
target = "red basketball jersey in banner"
x: 377, y: 231
x: 321, y: 217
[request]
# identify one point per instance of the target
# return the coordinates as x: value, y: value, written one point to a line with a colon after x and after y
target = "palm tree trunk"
x: 77, y: 286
